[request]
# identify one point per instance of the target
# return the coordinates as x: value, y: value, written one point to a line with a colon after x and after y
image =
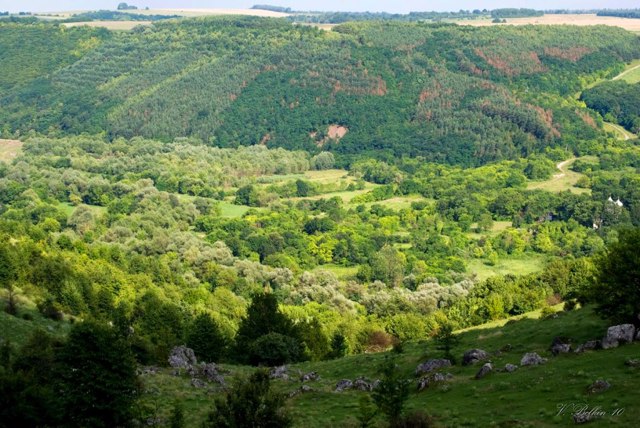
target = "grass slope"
x: 562, y: 181
x: 9, y: 149
x: 527, y: 398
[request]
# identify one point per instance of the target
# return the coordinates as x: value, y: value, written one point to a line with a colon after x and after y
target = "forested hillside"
x: 452, y: 94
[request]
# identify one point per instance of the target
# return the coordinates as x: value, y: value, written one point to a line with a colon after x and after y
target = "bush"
x: 250, y: 403
x: 275, y: 349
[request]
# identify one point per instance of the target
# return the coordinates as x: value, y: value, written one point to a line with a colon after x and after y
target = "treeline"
x: 272, y: 8
x: 342, y: 17
x: 515, y: 13
x: 110, y: 15
x: 622, y: 13
x: 617, y: 101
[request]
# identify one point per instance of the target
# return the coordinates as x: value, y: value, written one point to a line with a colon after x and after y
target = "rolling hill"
x: 452, y: 94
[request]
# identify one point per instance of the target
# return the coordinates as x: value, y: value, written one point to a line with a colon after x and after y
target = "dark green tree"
x: 393, y: 391
x: 263, y: 317
x: 250, y: 403
x: 206, y: 339
x: 616, y: 292
x: 96, y: 377
x: 445, y: 341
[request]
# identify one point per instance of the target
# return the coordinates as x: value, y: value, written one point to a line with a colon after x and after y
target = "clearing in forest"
x: 9, y: 149
x: 631, y: 74
x: 564, y: 180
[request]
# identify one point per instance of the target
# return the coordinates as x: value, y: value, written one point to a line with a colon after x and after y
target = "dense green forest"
x: 264, y: 193
x: 622, y: 13
x: 451, y: 94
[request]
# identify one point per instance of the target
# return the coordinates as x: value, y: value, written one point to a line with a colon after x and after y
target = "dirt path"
x: 626, y: 72
x: 561, y: 166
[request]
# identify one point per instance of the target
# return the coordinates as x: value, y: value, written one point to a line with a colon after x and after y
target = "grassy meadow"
x: 528, y: 397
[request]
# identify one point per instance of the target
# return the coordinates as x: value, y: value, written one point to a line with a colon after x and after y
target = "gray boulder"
x: 280, y: 372
x: 301, y: 390
x: 473, y: 356
x: 310, y: 377
x: 343, y: 385
x: 583, y: 417
x: 617, y: 334
x: 182, y: 357
x: 362, y: 384
x: 431, y: 379
x: 598, y: 386
x: 632, y: 362
x: 510, y: 368
x: 432, y: 365
x: 560, y: 345
x: 588, y: 346
x: 532, y: 359
x: 198, y: 383
x: 638, y: 335
x: 211, y: 373
x: 484, y: 370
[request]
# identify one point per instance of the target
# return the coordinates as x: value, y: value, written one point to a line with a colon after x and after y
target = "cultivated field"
x: 9, y: 149
x: 568, y: 19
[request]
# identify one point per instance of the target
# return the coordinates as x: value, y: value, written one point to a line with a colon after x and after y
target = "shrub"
x: 275, y: 349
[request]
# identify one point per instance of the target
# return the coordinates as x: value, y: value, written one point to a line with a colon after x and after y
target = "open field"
x: 524, y: 265
x: 631, y: 74
x: 9, y: 149
x: 560, y: 182
x: 110, y: 25
x: 564, y: 19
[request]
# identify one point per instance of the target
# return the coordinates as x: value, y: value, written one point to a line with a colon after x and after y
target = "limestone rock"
x: 560, y: 345
x: 280, y: 372
x: 473, y: 356
x: 598, y: 386
x: 632, y: 363
x: 510, y: 368
x: 182, y: 357
x: 312, y: 376
x: 484, y: 370
x: 432, y: 379
x: 198, y: 383
x: 617, y: 334
x: 532, y: 359
x: 588, y: 346
x: 301, y: 390
x: 583, y: 417
x: 432, y: 365
x: 343, y: 385
x: 362, y: 384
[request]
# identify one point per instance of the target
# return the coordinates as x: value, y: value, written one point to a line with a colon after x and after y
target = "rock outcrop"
x: 560, y: 345
x: 484, y: 370
x: 598, y: 386
x: 532, y: 359
x: 617, y: 334
x: 182, y: 357
x: 432, y: 365
x: 474, y: 356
